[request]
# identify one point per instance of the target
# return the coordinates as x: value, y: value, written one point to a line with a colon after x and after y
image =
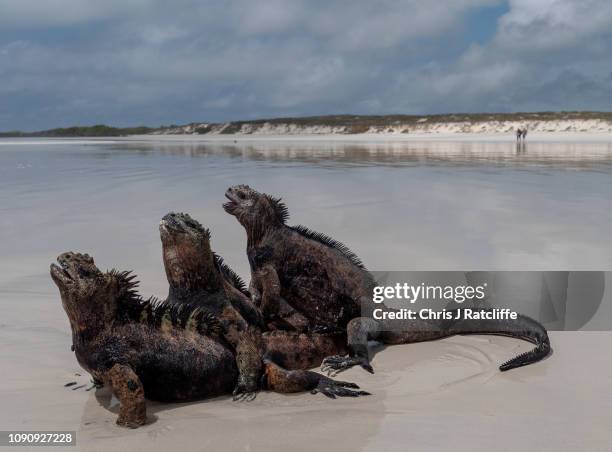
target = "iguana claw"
x: 332, y: 389
x: 240, y: 394
x: 333, y: 365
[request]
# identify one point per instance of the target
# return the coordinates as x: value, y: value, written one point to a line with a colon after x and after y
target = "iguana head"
x: 90, y: 297
x: 254, y: 210
x: 188, y: 258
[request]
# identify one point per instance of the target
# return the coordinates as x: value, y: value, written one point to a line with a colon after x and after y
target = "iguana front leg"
x: 265, y: 287
x: 248, y: 360
x: 268, y: 282
x: 277, y: 379
x: 255, y: 291
x: 127, y: 387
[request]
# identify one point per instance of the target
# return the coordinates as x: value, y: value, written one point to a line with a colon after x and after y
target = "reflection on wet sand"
x: 395, y: 153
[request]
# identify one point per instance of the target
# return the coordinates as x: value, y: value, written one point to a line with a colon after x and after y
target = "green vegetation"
x: 358, y: 123
x: 350, y: 123
x: 99, y: 130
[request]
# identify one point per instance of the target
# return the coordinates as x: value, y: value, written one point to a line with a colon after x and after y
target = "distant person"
x: 519, y: 133
x: 524, y: 133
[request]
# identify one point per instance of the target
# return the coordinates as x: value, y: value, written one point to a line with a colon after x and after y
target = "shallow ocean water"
x: 399, y: 206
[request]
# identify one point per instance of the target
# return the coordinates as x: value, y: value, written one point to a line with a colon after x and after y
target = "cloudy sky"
x: 130, y: 62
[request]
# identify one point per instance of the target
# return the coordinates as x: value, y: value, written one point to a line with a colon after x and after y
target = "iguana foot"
x: 332, y: 389
x: 134, y: 421
x: 243, y: 394
x: 333, y: 365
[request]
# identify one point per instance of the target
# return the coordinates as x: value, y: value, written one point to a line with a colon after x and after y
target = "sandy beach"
x: 444, y: 395
x: 440, y: 395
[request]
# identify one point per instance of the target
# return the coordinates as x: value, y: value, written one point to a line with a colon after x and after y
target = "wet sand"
x: 443, y: 395
x: 442, y: 206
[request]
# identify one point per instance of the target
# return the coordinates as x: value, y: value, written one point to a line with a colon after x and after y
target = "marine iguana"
x: 146, y: 348
x: 197, y: 275
x: 324, y: 280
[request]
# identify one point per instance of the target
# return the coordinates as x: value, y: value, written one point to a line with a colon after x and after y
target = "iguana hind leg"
x: 277, y: 379
x: 288, y: 350
x: 292, y: 350
x: 359, y: 331
x: 363, y: 329
x: 128, y: 389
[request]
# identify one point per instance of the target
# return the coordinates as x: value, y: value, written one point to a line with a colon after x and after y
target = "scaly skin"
x: 196, y: 275
x: 147, y: 349
x: 325, y: 281
x: 152, y: 357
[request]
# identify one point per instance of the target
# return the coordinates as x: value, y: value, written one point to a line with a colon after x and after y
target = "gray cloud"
x: 147, y: 61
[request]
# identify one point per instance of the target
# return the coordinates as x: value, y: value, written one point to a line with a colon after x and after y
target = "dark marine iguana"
x: 146, y: 348
x: 196, y: 275
x: 325, y: 281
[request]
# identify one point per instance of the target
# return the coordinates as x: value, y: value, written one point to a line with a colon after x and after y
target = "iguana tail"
x: 535, y: 333
x: 523, y: 327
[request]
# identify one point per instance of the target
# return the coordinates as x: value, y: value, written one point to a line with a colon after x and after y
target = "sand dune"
x: 424, y: 125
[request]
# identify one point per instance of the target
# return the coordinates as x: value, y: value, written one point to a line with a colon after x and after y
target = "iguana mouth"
x: 236, y: 196
x: 60, y: 273
x: 179, y: 223
x: 231, y: 205
x: 72, y: 267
